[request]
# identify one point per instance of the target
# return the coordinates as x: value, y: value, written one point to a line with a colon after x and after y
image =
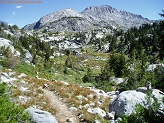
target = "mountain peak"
x: 103, y: 8
x: 58, y: 15
x: 101, y: 16
x: 69, y: 9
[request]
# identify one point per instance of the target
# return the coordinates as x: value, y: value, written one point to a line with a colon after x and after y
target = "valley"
x: 83, y: 67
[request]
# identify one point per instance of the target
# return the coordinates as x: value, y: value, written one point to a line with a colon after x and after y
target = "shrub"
x: 159, y: 77
x: 10, y: 113
x: 89, y: 77
x: 10, y: 60
x: 5, y: 62
x: 69, y: 62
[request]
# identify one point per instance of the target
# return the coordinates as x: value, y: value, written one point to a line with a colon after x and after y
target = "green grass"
x: 87, y: 84
x: 23, y: 67
x: 57, y: 71
x: 72, y: 76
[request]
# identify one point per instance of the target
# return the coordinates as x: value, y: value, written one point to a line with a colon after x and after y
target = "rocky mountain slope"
x: 2, y: 22
x: 108, y: 16
x: 91, y: 18
x: 67, y: 20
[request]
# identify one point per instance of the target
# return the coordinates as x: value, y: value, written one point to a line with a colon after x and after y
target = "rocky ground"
x: 63, y: 113
x: 67, y: 102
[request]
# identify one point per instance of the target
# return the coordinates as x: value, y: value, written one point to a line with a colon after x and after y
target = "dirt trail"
x: 63, y: 114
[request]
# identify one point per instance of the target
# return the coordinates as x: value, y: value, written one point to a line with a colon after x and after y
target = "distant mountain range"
x: 91, y: 18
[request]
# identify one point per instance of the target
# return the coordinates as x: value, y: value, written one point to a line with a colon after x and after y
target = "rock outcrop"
x: 39, y: 116
x: 126, y: 101
x: 4, y: 77
x: 28, y: 56
x: 7, y: 43
x: 97, y: 111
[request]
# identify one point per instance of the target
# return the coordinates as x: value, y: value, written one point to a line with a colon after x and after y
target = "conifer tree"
x: 161, y: 51
x: 89, y: 77
x: 116, y: 64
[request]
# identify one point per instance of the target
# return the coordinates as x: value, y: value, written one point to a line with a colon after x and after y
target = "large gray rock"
x: 7, y: 43
x: 28, y: 56
x: 112, y: 94
x: 4, y: 77
x: 151, y: 67
x: 39, y: 116
x: 126, y: 101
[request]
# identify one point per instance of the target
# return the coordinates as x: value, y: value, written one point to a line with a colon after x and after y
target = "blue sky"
x: 22, y: 14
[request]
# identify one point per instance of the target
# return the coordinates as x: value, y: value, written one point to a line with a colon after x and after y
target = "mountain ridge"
x: 90, y: 18
x: 3, y: 22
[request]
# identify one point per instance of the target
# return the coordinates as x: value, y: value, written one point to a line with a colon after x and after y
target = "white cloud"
x: 18, y: 7
x: 154, y: 13
x: 13, y: 13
